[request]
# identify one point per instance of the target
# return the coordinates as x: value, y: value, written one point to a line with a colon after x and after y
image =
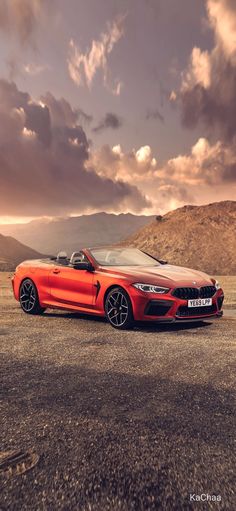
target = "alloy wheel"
x: 117, y: 308
x: 27, y: 296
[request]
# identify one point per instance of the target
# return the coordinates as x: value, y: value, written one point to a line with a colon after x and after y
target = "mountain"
x: 12, y: 252
x: 70, y: 234
x: 200, y: 237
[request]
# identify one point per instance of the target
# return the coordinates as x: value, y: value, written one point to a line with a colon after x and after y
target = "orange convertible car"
x: 122, y: 284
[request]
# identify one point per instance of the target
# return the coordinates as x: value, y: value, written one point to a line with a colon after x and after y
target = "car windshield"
x: 122, y: 257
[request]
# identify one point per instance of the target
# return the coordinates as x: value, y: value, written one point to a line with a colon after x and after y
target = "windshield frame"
x: 156, y: 262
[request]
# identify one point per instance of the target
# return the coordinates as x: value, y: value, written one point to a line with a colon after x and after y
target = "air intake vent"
x: 158, y: 307
x: 220, y: 301
x: 186, y: 312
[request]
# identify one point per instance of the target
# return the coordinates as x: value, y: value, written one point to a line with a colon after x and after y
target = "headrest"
x: 77, y: 257
x: 61, y: 256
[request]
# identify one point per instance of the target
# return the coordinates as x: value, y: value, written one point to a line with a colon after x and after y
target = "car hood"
x: 165, y: 274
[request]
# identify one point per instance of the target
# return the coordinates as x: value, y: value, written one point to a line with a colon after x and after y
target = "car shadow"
x: 159, y: 403
x: 76, y: 315
x: 139, y: 325
x: 170, y: 327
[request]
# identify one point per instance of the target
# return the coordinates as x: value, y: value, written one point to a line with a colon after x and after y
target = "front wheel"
x: 29, y: 299
x: 118, y: 309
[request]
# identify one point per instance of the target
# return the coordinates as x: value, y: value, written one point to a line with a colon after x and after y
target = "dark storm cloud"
x: 11, y: 97
x: 20, y: 17
x: 38, y: 120
x: 110, y: 120
x: 154, y: 115
x: 214, y: 106
x: 61, y: 112
x: 207, y: 97
x: 208, y: 93
x: 45, y: 166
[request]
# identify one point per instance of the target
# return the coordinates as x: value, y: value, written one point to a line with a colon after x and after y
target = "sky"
x: 116, y: 106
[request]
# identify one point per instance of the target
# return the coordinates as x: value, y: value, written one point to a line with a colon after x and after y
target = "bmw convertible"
x: 124, y: 285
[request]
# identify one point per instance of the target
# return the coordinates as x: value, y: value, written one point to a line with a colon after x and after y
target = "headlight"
x: 216, y: 284
x: 149, y: 288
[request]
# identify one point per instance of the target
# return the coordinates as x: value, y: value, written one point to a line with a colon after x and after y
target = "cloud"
x: 180, y: 180
x: 110, y: 120
x: 61, y: 112
x: 20, y: 18
x: 222, y: 14
x: 206, y: 164
x: 154, y: 115
x: 199, y: 71
x: 142, y: 168
x: 45, y: 162
x: 208, y: 90
x: 83, y: 116
x: 131, y: 166
x: 34, y: 69
x: 83, y: 66
x: 116, y: 88
x: 38, y: 121
x: 172, y: 96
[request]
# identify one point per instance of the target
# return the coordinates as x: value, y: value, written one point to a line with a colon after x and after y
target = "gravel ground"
x: 124, y: 421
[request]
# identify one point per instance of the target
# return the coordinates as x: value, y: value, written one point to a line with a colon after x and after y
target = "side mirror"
x: 162, y: 262
x: 83, y: 265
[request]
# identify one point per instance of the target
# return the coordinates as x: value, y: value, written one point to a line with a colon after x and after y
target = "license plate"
x: 200, y: 302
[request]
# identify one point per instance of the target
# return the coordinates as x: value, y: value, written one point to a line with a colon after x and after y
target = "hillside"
x: 201, y: 237
x: 12, y: 252
x: 70, y: 234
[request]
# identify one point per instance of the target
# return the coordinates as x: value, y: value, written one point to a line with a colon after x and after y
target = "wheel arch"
x: 27, y: 278
x: 113, y: 286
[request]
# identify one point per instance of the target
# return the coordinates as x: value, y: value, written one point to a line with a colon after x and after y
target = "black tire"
x: 29, y: 300
x: 118, y: 309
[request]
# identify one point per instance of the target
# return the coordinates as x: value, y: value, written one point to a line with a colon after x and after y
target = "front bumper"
x: 168, y: 309
x: 191, y: 319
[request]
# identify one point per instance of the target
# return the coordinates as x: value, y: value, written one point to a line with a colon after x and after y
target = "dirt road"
x: 137, y: 420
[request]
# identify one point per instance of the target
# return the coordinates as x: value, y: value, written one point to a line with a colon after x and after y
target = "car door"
x: 70, y: 286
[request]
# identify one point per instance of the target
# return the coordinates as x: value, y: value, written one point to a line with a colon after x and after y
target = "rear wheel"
x: 29, y: 299
x: 118, y: 309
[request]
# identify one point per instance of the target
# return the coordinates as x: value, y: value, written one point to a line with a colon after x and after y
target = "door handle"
x: 56, y: 270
